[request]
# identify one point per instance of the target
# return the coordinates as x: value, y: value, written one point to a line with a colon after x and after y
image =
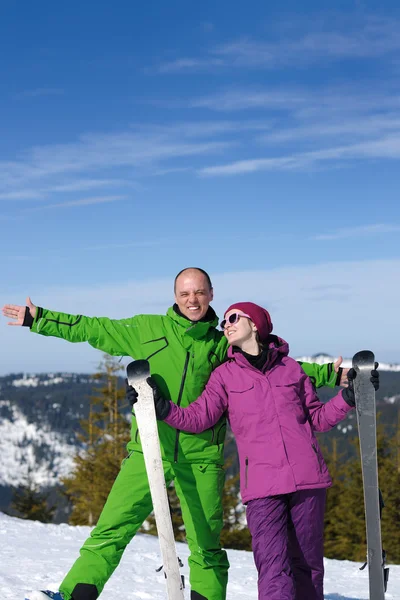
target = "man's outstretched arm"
x: 329, y: 374
x: 116, y: 337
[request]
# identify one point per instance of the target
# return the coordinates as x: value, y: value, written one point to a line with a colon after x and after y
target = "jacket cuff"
x: 339, y: 376
x: 28, y: 319
x: 348, y: 397
x: 36, y: 319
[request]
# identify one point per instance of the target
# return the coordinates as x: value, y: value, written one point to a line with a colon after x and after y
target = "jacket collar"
x: 195, y: 329
x: 277, y: 349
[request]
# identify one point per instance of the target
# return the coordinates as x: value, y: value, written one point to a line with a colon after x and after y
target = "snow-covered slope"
x: 32, y: 451
x: 37, y: 556
x: 39, y: 419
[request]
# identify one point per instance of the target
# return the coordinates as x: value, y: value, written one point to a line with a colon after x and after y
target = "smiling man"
x: 183, y: 347
x: 193, y: 293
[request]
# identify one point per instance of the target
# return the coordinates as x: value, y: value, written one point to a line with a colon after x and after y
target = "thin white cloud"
x: 75, y: 203
x: 189, y: 64
x: 45, y: 91
x: 132, y: 152
x: 367, y: 39
x: 78, y: 185
x: 233, y: 100
x: 81, y: 185
x: 28, y: 194
x: 303, y: 102
x: 348, y: 127
x: 240, y: 167
x: 369, y: 42
x: 387, y: 147
x: 170, y: 171
x: 361, y: 231
x: 22, y: 257
x: 206, y: 128
x: 140, y: 244
x: 360, y: 126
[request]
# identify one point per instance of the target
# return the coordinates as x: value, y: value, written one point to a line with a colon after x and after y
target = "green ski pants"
x: 199, y: 489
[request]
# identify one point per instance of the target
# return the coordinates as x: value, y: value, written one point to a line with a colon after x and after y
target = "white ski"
x: 145, y: 413
x: 363, y: 363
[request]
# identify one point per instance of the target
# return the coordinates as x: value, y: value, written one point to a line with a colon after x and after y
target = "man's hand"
x: 342, y: 373
x: 17, y: 313
x: 348, y: 393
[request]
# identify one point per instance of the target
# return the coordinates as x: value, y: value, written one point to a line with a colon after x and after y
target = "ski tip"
x: 364, y: 358
x: 138, y: 369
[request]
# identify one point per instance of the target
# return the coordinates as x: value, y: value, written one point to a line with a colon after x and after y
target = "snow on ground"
x: 37, y: 556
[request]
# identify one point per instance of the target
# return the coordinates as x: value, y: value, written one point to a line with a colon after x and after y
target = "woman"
x: 273, y: 411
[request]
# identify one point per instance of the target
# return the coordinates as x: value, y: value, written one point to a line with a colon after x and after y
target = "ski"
x: 137, y: 372
x: 364, y: 363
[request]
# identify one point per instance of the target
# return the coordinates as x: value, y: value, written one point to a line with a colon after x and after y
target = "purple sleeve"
x: 204, y: 412
x: 324, y: 416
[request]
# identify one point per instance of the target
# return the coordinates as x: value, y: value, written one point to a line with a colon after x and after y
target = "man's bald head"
x: 204, y: 273
x: 193, y: 292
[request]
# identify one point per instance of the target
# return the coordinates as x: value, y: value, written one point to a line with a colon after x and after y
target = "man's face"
x: 193, y: 294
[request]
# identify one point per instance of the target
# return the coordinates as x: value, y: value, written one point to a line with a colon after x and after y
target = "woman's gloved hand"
x: 348, y: 393
x: 161, y: 405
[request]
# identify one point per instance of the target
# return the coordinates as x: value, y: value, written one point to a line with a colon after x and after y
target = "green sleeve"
x: 116, y: 337
x: 320, y: 375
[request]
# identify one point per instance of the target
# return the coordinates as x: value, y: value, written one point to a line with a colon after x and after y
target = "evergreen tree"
x: 345, y: 521
x: 104, y: 436
x: 389, y: 481
x: 345, y: 536
x: 235, y: 533
x: 29, y: 503
x: 334, y: 460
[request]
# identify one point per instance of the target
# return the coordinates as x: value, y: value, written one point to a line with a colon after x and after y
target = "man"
x: 182, y: 347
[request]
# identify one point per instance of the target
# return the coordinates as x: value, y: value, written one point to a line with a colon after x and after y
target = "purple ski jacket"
x: 273, y: 414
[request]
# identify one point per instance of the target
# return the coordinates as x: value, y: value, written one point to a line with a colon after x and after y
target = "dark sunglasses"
x: 233, y: 319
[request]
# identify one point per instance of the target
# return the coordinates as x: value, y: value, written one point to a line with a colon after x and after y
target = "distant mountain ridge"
x: 322, y: 358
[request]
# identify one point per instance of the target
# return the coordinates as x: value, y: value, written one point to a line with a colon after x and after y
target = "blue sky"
x: 262, y: 145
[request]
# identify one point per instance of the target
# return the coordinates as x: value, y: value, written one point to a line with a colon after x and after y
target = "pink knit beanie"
x: 260, y: 317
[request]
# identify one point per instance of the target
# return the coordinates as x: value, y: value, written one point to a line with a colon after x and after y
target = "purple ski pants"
x: 288, y: 544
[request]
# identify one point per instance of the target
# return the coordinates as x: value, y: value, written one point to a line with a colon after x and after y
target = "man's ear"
x: 212, y: 294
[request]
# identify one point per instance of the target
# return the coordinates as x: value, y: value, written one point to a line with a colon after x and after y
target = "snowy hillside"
x: 39, y: 418
x: 31, y: 451
x: 37, y: 556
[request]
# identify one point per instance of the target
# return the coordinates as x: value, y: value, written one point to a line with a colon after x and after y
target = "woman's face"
x: 239, y: 332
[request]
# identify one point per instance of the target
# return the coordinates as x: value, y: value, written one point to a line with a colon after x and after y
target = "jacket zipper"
x: 329, y: 370
x: 179, y: 403
x: 316, y: 452
x: 246, y: 462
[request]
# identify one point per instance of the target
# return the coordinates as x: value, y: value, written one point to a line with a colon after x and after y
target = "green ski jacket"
x: 182, y: 354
